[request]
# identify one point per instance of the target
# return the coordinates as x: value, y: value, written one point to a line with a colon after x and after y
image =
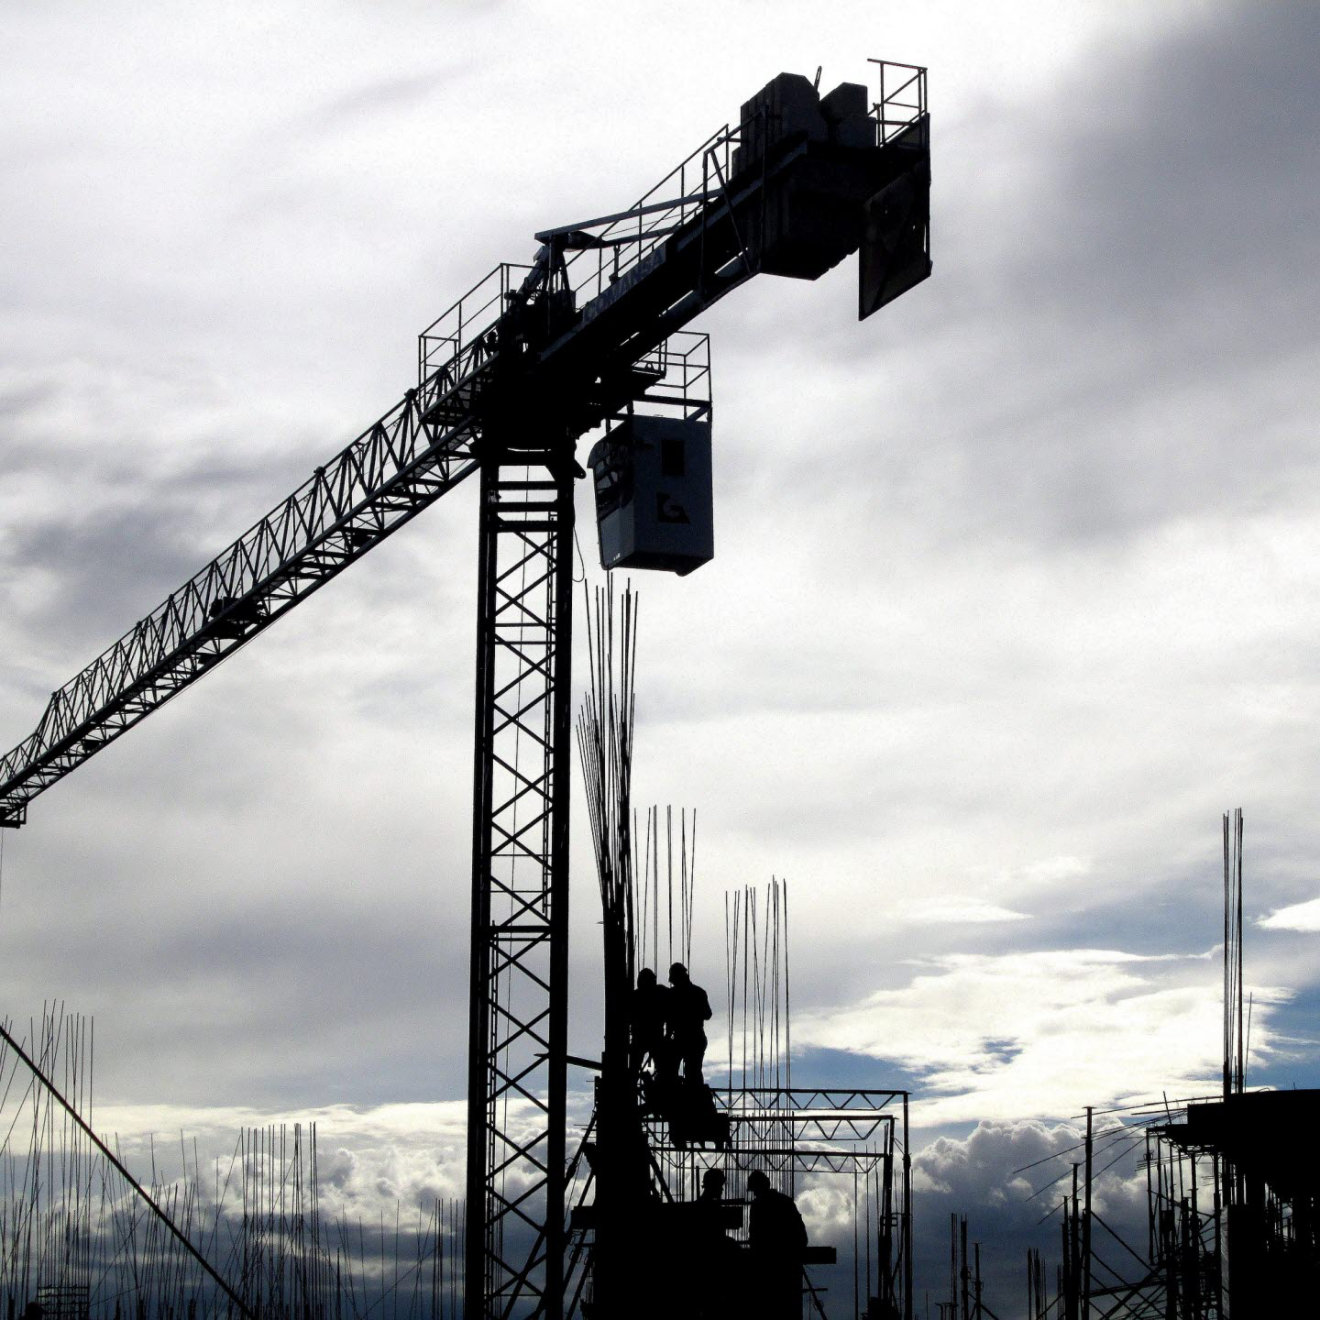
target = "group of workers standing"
x: 669, y: 1032
x: 669, y: 1024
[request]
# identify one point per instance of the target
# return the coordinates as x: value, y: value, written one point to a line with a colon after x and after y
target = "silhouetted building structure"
x: 1233, y: 1208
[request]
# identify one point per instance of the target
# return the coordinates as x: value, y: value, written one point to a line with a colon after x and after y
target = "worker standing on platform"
x: 689, y: 1011
x: 716, y: 1255
x: 650, y: 1016
x: 777, y: 1239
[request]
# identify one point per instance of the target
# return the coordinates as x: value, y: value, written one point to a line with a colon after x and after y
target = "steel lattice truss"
x: 520, y: 896
x: 848, y: 1133
x: 798, y: 1130
x: 389, y: 474
x: 827, y: 1114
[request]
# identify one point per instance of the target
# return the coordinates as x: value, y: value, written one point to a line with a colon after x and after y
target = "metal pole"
x: 953, y: 1266
x: 1074, y: 1255
x: 475, y: 1271
x: 1228, y: 985
x: 517, y: 1061
x: 560, y: 729
x: 1086, y: 1224
x: 907, y: 1216
x: 1241, y: 1039
x: 964, y: 1274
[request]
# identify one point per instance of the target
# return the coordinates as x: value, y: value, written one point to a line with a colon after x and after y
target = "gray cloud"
x: 380, y: 96
x: 1120, y: 320
x: 1195, y: 171
x: 1007, y: 1178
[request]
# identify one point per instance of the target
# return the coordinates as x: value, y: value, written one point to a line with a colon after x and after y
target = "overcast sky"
x: 1014, y: 591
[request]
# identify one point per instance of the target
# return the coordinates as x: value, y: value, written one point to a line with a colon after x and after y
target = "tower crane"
x: 590, y: 334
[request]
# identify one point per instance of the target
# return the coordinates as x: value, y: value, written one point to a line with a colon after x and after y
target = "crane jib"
x: 792, y: 203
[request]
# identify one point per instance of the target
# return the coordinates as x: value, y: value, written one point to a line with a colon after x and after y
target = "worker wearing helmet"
x: 689, y: 1011
x: 715, y: 1255
x: 776, y: 1239
x: 650, y: 1014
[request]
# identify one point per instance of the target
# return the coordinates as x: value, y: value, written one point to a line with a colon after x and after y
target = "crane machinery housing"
x: 589, y: 336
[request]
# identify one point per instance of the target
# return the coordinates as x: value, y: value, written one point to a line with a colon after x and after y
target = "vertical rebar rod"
x: 147, y: 1199
x: 1228, y: 960
x: 1086, y: 1219
x: 1241, y: 1057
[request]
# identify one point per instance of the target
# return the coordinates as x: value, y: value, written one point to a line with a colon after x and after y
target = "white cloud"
x: 965, y: 911
x: 1297, y: 916
x: 1035, y: 1033
x: 1009, y: 1179
x: 1007, y: 1176
x: 370, y: 1160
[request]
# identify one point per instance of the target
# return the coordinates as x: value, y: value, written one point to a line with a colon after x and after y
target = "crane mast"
x: 589, y: 333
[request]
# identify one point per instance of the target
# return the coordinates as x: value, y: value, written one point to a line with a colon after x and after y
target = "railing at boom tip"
x: 914, y: 81
x: 624, y: 242
x: 716, y: 159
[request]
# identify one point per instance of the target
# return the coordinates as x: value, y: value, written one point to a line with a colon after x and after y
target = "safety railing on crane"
x: 624, y: 241
x: 457, y: 342
x: 628, y: 239
x: 680, y: 366
x: 600, y: 254
x: 902, y: 98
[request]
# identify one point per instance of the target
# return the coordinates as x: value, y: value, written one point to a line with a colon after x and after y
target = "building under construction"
x: 666, y: 1160
x: 1231, y: 1185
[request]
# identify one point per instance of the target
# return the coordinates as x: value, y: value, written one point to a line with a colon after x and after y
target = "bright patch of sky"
x: 1296, y: 916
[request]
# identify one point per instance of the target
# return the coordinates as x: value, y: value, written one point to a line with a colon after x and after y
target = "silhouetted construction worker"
x: 715, y: 1254
x: 712, y: 1188
x: 689, y: 1011
x: 650, y: 1015
x: 777, y: 1238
